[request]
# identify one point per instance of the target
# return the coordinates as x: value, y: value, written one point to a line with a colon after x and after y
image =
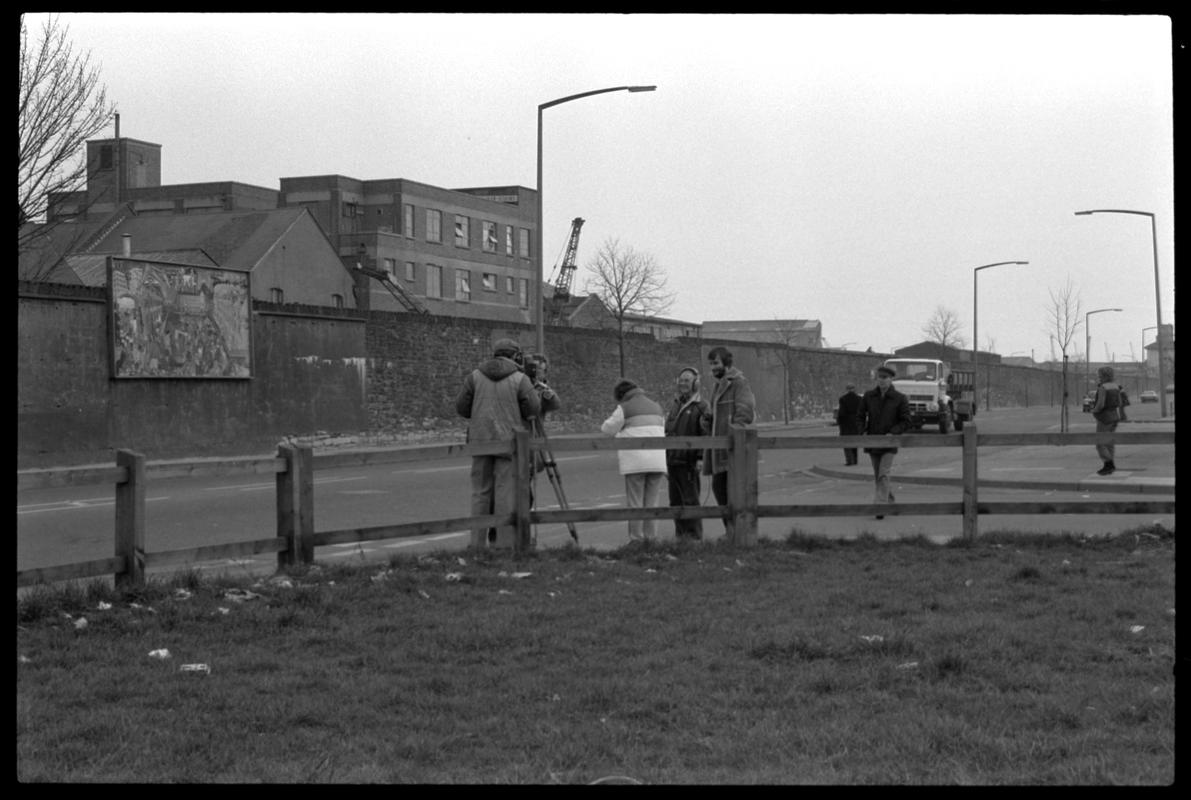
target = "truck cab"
x: 928, y: 385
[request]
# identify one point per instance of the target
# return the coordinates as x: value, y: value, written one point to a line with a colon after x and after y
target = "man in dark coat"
x: 688, y: 415
x: 884, y: 411
x: 849, y: 425
x: 732, y: 403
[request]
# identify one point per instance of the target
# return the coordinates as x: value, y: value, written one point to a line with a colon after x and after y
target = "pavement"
x: 1141, y: 469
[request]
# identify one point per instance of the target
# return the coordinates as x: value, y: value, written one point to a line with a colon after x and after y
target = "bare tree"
x: 628, y: 283
x: 62, y: 104
x: 943, y: 329
x: 1063, y: 322
x: 788, y: 335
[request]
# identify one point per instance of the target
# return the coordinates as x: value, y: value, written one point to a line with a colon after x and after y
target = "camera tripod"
x: 551, y: 466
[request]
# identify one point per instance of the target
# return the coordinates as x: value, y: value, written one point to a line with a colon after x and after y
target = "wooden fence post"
x: 742, y: 485
x: 523, y: 542
x: 287, y: 482
x: 130, y: 519
x: 305, y: 522
x: 969, y: 482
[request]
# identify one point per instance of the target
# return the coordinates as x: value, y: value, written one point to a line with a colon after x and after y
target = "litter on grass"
x: 239, y: 595
x: 454, y: 576
x: 103, y: 606
x: 872, y: 639
x: 80, y: 623
x: 181, y: 594
x: 162, y: 653
x: 1137, y: 628
x: 203, y: 668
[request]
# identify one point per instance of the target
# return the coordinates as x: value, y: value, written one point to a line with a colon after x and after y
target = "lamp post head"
x: 642, y: 88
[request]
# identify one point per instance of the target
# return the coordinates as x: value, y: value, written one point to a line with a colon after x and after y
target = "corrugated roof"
x: 759, y: 325
x: 91, y: 269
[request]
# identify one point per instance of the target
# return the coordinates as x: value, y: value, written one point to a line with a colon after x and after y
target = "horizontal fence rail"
x: 294, y: 467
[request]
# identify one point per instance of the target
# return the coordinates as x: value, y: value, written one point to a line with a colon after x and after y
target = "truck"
x: 937, y: 395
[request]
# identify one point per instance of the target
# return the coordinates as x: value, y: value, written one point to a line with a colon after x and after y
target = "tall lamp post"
x: 1157, y: 290
x: 541, y: 276
x: 975, y: 338
x: 1087, y: 372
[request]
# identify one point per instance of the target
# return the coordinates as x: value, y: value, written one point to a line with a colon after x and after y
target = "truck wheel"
x: 959, y: 423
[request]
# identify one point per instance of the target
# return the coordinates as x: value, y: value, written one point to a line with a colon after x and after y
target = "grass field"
x: 1014, y: 660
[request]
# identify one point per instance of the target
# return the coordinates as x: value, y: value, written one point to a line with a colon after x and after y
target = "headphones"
x: 691, y: 370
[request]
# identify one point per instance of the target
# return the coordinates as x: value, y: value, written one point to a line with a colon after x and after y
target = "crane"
x: 566, y: 271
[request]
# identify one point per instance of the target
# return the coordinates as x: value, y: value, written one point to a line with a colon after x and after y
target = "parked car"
x: 1148, y: 396
x: 1089, y: 401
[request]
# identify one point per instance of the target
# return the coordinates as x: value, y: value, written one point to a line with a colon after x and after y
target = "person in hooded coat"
x: 498, y: 400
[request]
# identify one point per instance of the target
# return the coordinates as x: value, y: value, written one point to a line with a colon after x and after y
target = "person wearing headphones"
x: 688, y: 415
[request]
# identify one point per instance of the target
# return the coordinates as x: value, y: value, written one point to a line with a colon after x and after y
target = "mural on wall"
x: 178, y: 321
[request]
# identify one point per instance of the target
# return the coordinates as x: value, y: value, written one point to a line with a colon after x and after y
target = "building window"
x: 276, y: 295
x: 433, y: 280
x: 489, y: 237
x: 409, y: 270
x: 489, y: 282
x: 461, y: 231
x: 524, y: 294
x: 390, y: 268
x: 407, y: 220
x: 523, y: 242
x: 462, y: 284
x: 510, y: 285
x: 433, y: 225
x: 508, y: 240
x: 105, y: 156
x: 337, y: 300
x: 349, y: 209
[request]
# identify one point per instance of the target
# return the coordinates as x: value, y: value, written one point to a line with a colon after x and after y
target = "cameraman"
x: 535, y: 369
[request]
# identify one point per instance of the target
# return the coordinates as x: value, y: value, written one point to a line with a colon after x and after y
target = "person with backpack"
x: 1107, y: 413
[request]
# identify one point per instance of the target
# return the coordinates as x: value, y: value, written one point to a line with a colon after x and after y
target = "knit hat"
x: 885, y: 369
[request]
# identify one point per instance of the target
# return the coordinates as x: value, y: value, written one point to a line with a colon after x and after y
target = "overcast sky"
x: 851, y: 169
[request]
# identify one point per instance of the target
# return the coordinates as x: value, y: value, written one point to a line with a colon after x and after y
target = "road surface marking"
x: 70, y: 505
x: 256, y: 487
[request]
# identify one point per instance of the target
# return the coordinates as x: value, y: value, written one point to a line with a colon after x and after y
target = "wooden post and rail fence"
x: 295, y: 538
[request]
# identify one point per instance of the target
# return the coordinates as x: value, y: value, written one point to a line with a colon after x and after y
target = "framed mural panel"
x: 178, y: 320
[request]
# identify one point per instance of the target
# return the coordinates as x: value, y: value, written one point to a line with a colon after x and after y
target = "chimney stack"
x: 127, y: 244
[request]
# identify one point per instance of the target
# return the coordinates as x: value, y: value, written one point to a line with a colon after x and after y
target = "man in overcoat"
x: 732, y: 403
x: 846, y: 418
x: 884, y: 411
x: 688, y: 415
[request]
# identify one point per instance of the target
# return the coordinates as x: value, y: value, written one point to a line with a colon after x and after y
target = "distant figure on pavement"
x: 884, y: 411
x: 846, y: 416
x: 1107, y: 412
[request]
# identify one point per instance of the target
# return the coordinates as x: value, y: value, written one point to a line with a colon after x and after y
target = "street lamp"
x: 975, y: 339
x: 1157, y: 289
x: 1088, y: 358
x: 541, y: 276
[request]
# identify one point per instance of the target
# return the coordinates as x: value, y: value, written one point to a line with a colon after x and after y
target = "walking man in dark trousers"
x: 884, y: 411
x: 847, y: 417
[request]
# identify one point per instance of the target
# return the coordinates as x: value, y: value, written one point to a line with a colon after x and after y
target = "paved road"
x: 75, y: 524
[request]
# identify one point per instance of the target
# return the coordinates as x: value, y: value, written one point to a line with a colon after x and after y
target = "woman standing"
x: 644, y: 471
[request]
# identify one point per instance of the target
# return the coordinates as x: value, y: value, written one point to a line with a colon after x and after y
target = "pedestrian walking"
x: 884, y: 411
x: 1107, y: 413
x: 637, y: 415
x: 846, y: 417
x: 497, y: 400
x: 732, y: 403
x: 688, y: 415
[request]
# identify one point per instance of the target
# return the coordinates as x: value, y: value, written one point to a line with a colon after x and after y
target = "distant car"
x: 1089, y: 401
x: 1148, y: 396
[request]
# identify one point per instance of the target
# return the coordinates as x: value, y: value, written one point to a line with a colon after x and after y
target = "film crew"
x: 732, y: 403
x: 884, y: 411
x: 536, y: 366
x: 497, y: 399
x: 845, y: 417
x: 637, y: 415
x: 688, y: 415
